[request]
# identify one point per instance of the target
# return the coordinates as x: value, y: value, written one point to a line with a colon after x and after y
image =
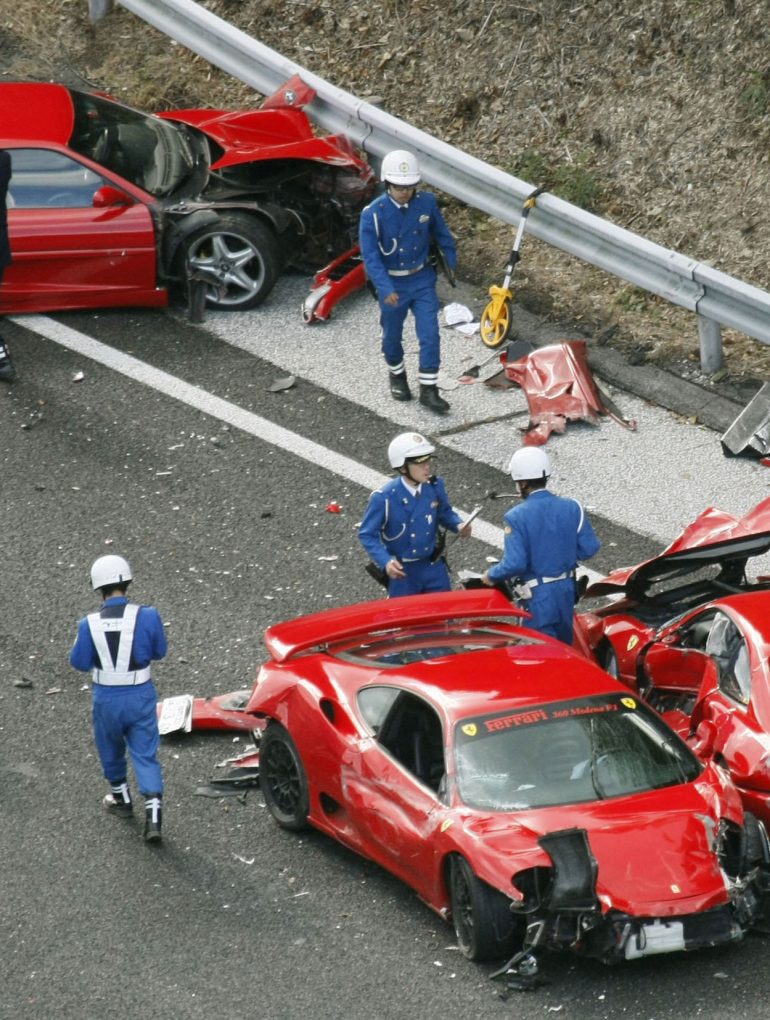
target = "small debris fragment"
x: 24, y: 682
x: 284, y: 382
x: 334, y: 507
x: 328, y: 559
x: 78, y: 377
x: 53, y: 690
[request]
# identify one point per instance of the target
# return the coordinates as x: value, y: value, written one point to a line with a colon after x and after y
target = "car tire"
x: 484, y: 925
x: 608, y: 660
x: 282, y: 779
x: 239, y: 255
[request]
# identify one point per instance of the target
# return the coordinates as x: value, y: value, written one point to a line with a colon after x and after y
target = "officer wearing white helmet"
x: 116, y: 644
x: 396, y: 232
x: 545, y: 537
x: 400, y: 528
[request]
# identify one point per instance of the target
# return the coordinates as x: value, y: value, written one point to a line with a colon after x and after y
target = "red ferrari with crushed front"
x: 109, y: 206
x: 514, y: 785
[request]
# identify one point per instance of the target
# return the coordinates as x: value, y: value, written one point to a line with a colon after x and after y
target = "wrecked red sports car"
x: 109, y: 206
x: 516, y: 787
x: 691, y: 633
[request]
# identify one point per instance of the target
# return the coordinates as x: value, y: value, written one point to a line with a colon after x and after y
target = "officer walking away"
x: 7, y: 370
x: 396, y: 232
x: 545, y: 537
x: 117, y: 644
x: 400, y: 528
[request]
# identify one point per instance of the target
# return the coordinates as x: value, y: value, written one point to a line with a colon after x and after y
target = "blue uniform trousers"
x: 126, y: 717
x: 416, y: 294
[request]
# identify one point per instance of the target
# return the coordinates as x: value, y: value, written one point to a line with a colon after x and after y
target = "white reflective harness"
x: 116, y: 673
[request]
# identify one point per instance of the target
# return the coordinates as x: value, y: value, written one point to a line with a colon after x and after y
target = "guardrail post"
x: 98, y: 9
x: 710, y: 334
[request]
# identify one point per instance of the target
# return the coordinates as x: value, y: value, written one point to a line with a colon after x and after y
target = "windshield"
x: 151, y: 153
x: 567, y: 753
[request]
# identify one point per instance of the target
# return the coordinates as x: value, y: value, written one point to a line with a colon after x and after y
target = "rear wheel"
x: 485, y: 927
x: 282, y: 779
x: 237, y: 258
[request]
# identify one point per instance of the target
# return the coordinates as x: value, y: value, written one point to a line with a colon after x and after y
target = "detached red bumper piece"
x: 559, y: 388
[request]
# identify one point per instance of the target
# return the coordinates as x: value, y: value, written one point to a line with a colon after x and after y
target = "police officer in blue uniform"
x: 395, y: 236
x: 399, y: 529
x: 117, y: 645
x: 545, y: 536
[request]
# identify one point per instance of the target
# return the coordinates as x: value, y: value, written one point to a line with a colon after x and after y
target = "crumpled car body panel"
x: 559, y: 388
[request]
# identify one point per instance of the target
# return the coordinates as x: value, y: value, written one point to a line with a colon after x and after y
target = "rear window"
x: 568, y: 752
x: 399, y: 648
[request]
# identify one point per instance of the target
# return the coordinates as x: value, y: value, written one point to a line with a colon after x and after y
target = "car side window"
x: 727, y: 647
x: 44, y: 179
x: 409, y: 729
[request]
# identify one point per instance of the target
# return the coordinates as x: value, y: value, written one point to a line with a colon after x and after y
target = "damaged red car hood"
x: 655, y: 856
x: 713, y: 537
x: 279, y: 129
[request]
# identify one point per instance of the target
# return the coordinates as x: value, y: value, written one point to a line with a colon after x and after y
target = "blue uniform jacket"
x: 398, y: 524
x: 149, y: 638
x: 545, y: 535
x: 395, y: 238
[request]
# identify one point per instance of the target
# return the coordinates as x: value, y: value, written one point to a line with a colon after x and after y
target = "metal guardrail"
x: 716, y: 298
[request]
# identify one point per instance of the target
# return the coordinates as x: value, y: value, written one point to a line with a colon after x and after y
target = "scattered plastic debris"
x: 78, y: 377
x: 24, y: 682
x: 749, y: 434
x: 334, y: 507
x: 284, y: 382
x: 327, y: 559
x: 54, y: 690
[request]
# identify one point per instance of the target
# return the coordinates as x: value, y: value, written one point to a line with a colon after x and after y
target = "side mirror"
x: 107, y: 196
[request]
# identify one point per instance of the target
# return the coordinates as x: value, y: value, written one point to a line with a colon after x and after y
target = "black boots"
x: 153, y: 811
x: 7, y: 371
x: 399, y: 386
x: 118, y: 801
x: 429, y: 397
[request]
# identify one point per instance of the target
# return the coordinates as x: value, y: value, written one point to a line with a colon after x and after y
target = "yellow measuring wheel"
x: 496, y: 318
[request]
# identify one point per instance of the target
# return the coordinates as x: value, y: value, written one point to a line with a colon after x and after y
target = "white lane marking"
x: 227, y: 412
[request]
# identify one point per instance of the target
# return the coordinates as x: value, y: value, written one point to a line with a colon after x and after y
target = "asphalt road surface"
x: 162, y: 442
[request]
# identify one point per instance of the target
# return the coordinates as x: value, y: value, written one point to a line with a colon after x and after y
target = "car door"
x: 77, y: 239
x: 392, y: 795
x: 722, y: 701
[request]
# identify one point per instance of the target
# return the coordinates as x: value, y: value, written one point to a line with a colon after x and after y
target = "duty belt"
x: 547, y: 580
x: 108, y: 678
x: 406, y: 272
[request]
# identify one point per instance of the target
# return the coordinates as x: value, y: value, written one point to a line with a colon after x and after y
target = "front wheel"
x: 237, y: 258
x: 484, y: 925
x: 495, y: 324
x: 282, y: 779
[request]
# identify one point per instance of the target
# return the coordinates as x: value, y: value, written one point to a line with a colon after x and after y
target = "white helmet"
x: 530, y: 464
x: 400, y: 167
x: 406, y: 446
x: 110, y: 570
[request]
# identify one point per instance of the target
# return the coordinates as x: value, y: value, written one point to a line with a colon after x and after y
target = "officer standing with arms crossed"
x: 399, y: 529
x: 117, y: 644
x: 545, y: 536
x: 395, y: 236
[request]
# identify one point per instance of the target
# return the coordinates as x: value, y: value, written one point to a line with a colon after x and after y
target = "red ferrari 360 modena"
x: 109, y: 206
x: 519, y: 789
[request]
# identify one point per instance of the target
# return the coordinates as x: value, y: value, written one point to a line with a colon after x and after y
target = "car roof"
x: 35, y: 111
x: 715, y: 536
x: 514, y: 678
